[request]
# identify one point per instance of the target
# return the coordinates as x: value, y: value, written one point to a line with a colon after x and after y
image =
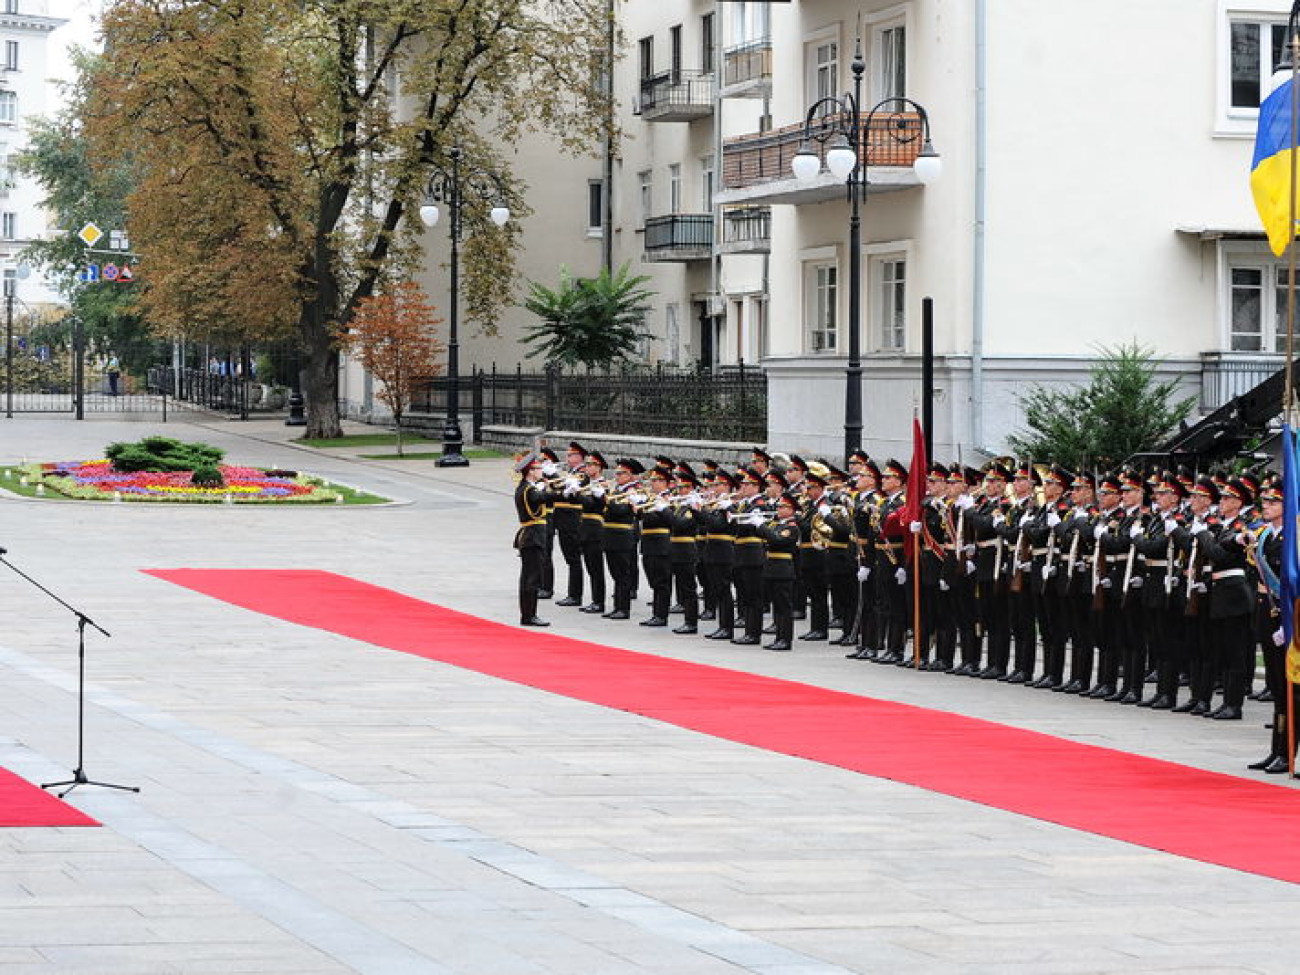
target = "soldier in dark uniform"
x: 566, y: 519
x: 720, y: 551
x: 1049, y: 598
x: 938, y: 620
x: 1232, y: 597
x: 867, y: 630
x: 591, y: 533
x: 684, y: 527
x: 708, y: 476
x: 841, y: 563
x: 782, y: 538
x: 619, y: 535
x: 747, y: 518
x: 530, y: 538
x: 987, y: 519
x: 1269, y: 541
x: 656, y: 547
x: 1112, y: 545
x: 1188, y: 537
x: 893, y: 588
x: 1132, y: 613
x: 1019, y: 565
x: 1077, y: 577
x: 1162, y: 592
x: 550, y: 462
x: 960, y: 568
x: 815, y: 535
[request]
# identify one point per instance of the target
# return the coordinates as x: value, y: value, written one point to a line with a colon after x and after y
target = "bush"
x: 163, y: 454
x: 208, y: 476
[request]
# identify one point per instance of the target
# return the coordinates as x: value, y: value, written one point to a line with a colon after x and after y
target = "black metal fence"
x: 727, y: 403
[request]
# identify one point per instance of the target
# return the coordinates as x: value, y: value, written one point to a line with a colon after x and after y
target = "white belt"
x: 1162, y: 563
x: 1227, y: 574
x: 987, y: 542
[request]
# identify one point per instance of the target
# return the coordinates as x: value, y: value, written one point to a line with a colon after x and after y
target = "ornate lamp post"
x: 450, y: 187
x: 838, y: 121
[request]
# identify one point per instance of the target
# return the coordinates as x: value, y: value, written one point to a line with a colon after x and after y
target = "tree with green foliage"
x: 1123, y: 410
x: 279, y: 149
x: 592, y: 322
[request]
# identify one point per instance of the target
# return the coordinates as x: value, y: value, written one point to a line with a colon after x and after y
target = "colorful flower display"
x: 97, y: 480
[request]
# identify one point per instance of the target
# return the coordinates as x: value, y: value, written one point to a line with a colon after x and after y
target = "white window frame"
x: 645, y: 196
x: 596, y: 198
x: 8, y: 108
x: 814, y: 41
x: 9, y: 225
x: 1230, y: 122
x: 750, y: 21
x: 816, y: 338
x: 12, y: 55
x: 1244, y: 255
x: 878, y: 25
x: 880, y: 305
x: 708, y: 186
x: 675, y: 188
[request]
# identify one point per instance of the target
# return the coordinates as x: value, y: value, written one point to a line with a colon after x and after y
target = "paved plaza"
x: 313, y: 804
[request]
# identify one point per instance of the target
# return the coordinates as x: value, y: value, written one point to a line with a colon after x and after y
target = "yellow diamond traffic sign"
x: 90, y: 234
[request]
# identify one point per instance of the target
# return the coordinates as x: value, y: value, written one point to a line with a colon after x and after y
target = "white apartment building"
x: 1092, y: 194
x: 25, y: 27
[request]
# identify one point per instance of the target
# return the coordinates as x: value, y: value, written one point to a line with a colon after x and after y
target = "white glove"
x: 1279, y: 638
x: 1081, y: 516
x: 1136, y: 530
x: 1198, y: 587
x: 1105, y: 583
x: 571, y: 485
x: 1053, y: 519
x: 637, y: 498
x: 863, y: 573
x: 1170, y: 526
x: 1048, y: 572
x: 1099, y: 531
x: 757, y: 518
x: 598, y: 492
x: 914, y: 527
x: 824, y: 510
x: 969, y: 551
x: 1023, y: 566
x: 660, y: 505
x: 1170, y: 582
x: 964, y: 501
x: 900, y: 576
x: 943, y: 586
x: 1135, y: 582
x: 1199, y: 526
x: 550, y: 468
x: 999, y: 520
x: 970, y: 568
x: 725, y: 503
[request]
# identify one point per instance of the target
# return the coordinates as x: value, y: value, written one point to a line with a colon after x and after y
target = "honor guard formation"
x: 1124, y: 587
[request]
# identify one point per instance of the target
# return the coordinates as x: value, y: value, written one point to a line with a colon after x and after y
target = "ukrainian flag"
x: 1271, y: 170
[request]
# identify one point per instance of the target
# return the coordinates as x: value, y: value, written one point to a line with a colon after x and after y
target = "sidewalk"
x: 311, y: 804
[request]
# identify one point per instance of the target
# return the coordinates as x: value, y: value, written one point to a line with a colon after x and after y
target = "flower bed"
x: 96, y: 480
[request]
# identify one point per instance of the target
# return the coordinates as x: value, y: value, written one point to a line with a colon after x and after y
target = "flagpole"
x: 1288, y: 388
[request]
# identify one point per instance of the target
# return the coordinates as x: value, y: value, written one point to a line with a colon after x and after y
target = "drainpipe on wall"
x: 978, y: 291
x: 607, y: 164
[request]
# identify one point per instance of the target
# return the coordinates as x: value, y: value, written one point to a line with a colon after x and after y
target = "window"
x: 646, y: 57
x: 10, y: 281
x: 1254, y: 47
x: 675, y: 41
x: 1256, y: 297
x: 706, y: 43
x: 8, y: 107
x: 9, y: 225
x: 891, y: 304
x: 821, y: 306
x: 11, y: 56
x: 595, y: 207
x: 11, y: 6
x: 706, y: 183
x: 675, y: 188
x: 824, y: 70
x: 645, y: 197
x: 891, y: 43
x: 750, y: 22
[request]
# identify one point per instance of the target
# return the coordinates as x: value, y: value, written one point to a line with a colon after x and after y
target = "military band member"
x: 750, y: 557
x: 841, y: 559
x: 938, y: 619
x: 530, y: 538
x: 815, y: 536
x: 684, y: 554
x: 550, y: 462
x: 782, y: 539
x: 961, y: 568
x: 591, y: 535
x: 719, y: 556
x: 566, y: 519
x: 867, y: 500
x: 656, y: 546
x: 619, y: 535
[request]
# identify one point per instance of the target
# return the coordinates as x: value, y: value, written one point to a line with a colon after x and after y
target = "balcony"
x: 1226, y: 375
x: 677, y: 96
x: 679, y: 237
x: 747, y: 69
x: 746, y: 230
x: 756, y: 168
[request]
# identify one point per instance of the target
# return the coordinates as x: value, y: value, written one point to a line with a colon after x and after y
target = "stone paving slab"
x: 311, y: 804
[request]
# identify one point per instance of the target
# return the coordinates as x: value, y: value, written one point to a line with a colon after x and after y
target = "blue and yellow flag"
x: 1290, y: 550
x: 1270, y: 172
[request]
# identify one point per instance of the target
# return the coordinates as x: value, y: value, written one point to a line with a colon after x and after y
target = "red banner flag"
x: 916, y: 476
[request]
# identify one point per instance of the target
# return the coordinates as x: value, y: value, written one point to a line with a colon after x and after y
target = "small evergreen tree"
x: 592, y: 322
x: 1123, y: 410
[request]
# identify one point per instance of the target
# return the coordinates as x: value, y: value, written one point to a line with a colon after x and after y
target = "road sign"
x: 111, y: 272
x: 125, y: 275
x: 90, y: 234
x: 91, y: 274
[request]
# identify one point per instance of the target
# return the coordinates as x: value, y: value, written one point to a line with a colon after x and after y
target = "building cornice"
x: 30, y: 23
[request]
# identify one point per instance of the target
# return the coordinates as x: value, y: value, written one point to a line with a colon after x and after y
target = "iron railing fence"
x: 727, y: 404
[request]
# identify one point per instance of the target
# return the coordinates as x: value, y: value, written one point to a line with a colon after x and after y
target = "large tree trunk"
x: 320, y: 373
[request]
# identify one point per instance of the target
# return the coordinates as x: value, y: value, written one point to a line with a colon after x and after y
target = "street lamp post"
x: 9, y: 352
x: 837, y: 120
x: 450, y: 186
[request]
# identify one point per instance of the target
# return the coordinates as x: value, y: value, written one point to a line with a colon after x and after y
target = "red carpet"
x: 23, y: 804
x: 1221, y: 819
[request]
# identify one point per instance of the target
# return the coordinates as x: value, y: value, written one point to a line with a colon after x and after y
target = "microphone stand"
x: 79, y: 773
